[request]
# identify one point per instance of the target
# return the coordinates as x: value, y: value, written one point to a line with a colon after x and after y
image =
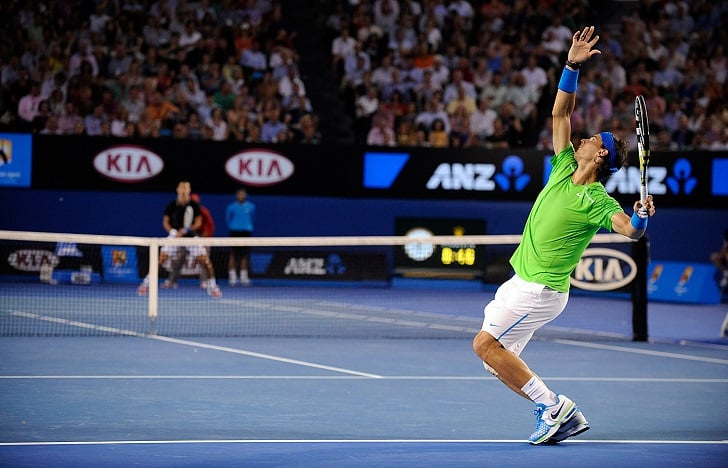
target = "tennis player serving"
x: 567, y: 213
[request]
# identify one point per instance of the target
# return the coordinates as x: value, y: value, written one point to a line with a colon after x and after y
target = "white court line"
x: 362, y: 441
x: 352, y: 377
x: 648, y: 352
x: 195, y: 344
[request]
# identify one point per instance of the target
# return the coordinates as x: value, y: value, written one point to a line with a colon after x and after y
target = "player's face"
x: 184, y: 189
x: 241, y: 196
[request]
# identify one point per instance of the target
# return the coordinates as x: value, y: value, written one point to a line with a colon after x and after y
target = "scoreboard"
x: 456, y: 260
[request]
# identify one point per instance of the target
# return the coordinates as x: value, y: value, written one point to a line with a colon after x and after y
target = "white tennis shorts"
x: 194, y: 250
x: 518, y: 309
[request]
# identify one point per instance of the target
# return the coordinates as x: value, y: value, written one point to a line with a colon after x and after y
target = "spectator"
x: 458, y: 81
x: 496, y: 91
x: 482, y: 120
x: 28, y: 105
x: 683, y: 136
x: 438, y: 136
x: 500, y: 137
x: 433, y: 112
x: 272, y: 125
x: 534, y: 76
x: 93, y: 122
x: 461, y: 101
x: 120, y: 122
x: 289, y: 81
x: 381, y: 133
x: 83, y: 54
x: 160, y: 109
x: 220, y: 129
x: 307, y: 131
x: 51, y: 126
x: 341, y: 47
x: 254, y: 61
x: 70, y: 119
x: 224, y: 97
x: 120, y: 61
x: 382, y: 75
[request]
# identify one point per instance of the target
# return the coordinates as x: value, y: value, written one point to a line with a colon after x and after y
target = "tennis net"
x: 383, y: 286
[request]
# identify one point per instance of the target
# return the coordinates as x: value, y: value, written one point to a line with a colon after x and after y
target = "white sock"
x: 243, y: 275
x: 539, y: 392
x: 232, y: 275
x: 211, y: 282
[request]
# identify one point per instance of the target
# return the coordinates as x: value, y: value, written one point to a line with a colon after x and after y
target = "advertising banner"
x: 323, y: 265
x: 677, y: 179
x: 15, y: 159
x: 682, y: 282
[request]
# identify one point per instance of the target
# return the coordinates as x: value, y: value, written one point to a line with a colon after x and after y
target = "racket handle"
x: 642, y: 212
x: 643, y: 194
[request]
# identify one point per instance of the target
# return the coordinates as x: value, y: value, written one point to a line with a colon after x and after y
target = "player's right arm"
x: 167, y: 225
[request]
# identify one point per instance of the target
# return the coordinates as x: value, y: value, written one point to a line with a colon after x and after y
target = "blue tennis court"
x: 170, y: 399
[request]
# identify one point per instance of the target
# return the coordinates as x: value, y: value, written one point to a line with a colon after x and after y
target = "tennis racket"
x: 643, y: 147
x: 189, y: 217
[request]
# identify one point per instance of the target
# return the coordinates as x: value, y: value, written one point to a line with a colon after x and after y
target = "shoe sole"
x: 570, y: 428
x: 560, y: 437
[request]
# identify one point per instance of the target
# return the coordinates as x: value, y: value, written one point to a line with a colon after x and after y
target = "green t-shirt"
x: 562, y: 222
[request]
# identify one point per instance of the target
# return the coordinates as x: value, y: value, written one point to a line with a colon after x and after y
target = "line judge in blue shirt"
x: 240, y: 219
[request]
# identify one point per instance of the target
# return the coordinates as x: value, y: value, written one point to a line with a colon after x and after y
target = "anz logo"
x: 480, y: 177
x: 659, y: 180
x: 333, y: 265
x: 513, y: 177
x: 682, y: 181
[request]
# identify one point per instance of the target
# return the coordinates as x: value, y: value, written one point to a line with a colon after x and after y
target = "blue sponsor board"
x: 720, y: 176
x: 15, y: 159
x: 120, y: 264
x: 682, y: 282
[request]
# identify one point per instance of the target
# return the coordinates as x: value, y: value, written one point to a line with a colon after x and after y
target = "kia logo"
x: 128, y: 163
x: 259, y: 167
x: 604, y: 270
x: 32, y: 259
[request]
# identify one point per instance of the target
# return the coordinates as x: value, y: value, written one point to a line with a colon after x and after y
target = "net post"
x: 153, y: 282
x: 640, y: 255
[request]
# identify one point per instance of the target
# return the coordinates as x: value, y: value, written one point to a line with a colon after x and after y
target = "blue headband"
x: 608, y: 141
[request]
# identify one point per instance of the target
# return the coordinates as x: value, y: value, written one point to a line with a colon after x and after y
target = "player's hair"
x: 603, y: 170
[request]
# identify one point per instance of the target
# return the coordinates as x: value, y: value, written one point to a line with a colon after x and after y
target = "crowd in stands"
x: 215, y: 70
x: 460, y: 73
x: 439, y: 73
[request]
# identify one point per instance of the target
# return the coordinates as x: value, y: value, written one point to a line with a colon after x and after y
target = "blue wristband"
x: 638, y: 223
x: 568, y: 80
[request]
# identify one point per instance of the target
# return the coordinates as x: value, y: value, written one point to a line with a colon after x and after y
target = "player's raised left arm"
x: 633, y: 227
x: 581, y: 50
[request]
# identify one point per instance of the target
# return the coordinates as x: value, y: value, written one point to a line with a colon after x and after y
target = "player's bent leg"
x: 501, y: 362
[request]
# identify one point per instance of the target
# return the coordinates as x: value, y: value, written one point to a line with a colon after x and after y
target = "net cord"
x: 506, y: 239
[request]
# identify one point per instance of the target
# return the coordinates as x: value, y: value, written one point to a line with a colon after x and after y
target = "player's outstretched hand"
x: 582, y: 45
